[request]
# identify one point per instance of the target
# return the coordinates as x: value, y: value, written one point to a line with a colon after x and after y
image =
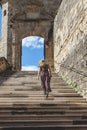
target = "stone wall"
x: 3, y: 40
x: 27, y: 18
x: 4, y: 65
x: 70, y: 43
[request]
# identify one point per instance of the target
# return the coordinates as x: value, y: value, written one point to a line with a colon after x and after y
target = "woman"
x: 45, y: 75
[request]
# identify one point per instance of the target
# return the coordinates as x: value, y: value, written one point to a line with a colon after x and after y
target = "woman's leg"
x: 43, y: 83
x: 47, y: 84
x: 49, y: 88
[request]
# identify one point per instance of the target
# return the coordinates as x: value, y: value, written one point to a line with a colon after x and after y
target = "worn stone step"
x: 68, y: 114
x: 36, y: 92
x: 63, y: 111
x: 57, y: 86
x: 24, y: 73
x: 59, y: 90
x: 40, y: 100
x: 30, y: 91
x: 48, y: 127
x: 42, y: 117
x: 40, y: 95
x: 22, y: 103
x: 54, y: 89
x: 46, y: 106
x: 66, y: 95
x: 31, y: 88
x: 26, y: 97
x: 42, y: 104
x: 79, y: 121
x: 21, y: 82
x: 34, y: 122
x: 42, y: 122
x: 43, y: 112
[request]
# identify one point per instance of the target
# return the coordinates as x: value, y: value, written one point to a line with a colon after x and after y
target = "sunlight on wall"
x: 0, y: 22
x: 32, y: 52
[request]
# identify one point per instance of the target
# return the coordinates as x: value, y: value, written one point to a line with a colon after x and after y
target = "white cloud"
x: 41, y: 40
x: 33, y: 41
x: 29, y: 68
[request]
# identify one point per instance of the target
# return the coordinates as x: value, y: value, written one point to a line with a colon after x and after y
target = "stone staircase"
x: 23, y: 105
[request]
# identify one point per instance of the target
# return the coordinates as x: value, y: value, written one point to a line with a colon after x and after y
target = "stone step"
x: 9, y: 72
x: 40, y: 97
x: 58, y: 114
x: 32, y: 94
x: 14, y: 95
x: 34, y: 122
x: 30, y: 100
x: 43, y: 104
x: 19, y: 90
x: 36, y: 85
x: 43, y: 112
x: 43, y: 117
x: 42, y: 122
x: 48, y: 127
x: 66, y: 95
x: 17, y: 83
x: 38, y: 88
x: 23, y: 105
x: 48, y: 105
x: 69, y: 90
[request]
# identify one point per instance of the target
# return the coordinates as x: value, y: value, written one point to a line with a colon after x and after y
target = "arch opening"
x: 32, y: 52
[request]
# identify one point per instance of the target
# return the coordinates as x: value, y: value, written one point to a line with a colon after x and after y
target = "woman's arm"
x: 49, y: 69
x: 38, y: 75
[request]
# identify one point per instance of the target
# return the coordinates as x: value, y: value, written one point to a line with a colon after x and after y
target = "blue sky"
x: 32, y: 51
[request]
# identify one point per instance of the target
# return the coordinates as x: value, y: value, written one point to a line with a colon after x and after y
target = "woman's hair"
x: 42, y: 62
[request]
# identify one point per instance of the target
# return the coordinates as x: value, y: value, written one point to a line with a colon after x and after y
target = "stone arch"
x: 17, y: 48
x: 32, y: 33
x: 28, y: 18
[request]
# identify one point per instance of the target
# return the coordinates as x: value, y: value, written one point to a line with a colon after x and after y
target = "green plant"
x: 73, y: 84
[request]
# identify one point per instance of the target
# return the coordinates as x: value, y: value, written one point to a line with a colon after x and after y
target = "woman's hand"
x: 50, y: 75
x: 38, y: 77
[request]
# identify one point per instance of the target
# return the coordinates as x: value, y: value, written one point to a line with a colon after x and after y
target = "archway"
x: 32, y: 52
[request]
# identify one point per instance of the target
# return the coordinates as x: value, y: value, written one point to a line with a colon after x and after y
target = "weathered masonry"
x: 22, y: 18
x: 63, y: 25
x: 70, y: 43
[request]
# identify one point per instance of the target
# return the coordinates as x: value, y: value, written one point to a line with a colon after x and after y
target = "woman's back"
x: 44, y: 68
